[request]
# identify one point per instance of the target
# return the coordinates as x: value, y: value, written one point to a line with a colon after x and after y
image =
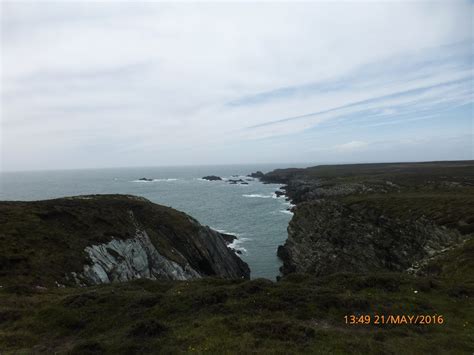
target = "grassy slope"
x: 298, y: 314
x: 403, y: 173
x: 441, y: 191
x: 450, y: 209
x: 39, y: 241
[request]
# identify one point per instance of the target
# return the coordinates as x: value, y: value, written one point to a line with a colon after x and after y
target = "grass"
x: 452, y: 209
x: 41, y: 242
x: 440, y: 191
x: 406, y: 174
x: 300, y: 313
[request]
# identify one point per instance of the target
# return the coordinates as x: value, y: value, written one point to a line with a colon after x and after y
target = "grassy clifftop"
x: 43, y: 242
x: 408, y: 174
x: 300, y: 313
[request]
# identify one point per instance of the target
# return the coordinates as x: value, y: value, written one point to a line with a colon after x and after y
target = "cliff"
x: 105, y: 238
x: 326, y: 237
x: 375, y: 217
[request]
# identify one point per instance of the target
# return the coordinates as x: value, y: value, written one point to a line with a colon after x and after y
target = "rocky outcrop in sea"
x: 212, y: 178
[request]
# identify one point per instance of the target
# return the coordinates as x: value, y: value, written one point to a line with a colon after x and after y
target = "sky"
x: 115, y: 84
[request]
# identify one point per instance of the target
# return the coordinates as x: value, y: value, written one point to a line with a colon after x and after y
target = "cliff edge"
x: 361, y: 218
x: 98, y: 239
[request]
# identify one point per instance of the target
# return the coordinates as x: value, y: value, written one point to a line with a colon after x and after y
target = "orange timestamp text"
x: 380, y: 319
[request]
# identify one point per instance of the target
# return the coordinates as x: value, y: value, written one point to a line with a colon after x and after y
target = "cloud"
x: 350, y: 146
x: 161, y: 83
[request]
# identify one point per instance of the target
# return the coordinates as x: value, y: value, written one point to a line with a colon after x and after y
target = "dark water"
x: 252, y: 212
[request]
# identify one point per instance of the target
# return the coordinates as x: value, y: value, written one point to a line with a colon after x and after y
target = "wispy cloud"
x: 351, y: 146
x: 162, y: 83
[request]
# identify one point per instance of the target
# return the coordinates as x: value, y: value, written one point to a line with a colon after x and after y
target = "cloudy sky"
x: 103, y: 84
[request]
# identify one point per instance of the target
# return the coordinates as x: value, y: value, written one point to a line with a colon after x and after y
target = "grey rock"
x: 326, y: 237
x: 212, y: 178
x: 136, y: 258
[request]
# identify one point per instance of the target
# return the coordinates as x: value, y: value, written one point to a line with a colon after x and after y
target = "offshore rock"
x: 212, y: 178
x: 256, y: 175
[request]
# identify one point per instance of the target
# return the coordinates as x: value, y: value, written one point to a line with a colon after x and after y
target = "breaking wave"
x: 236, y: 243
x: 257, y: 196
x: 154, y: 180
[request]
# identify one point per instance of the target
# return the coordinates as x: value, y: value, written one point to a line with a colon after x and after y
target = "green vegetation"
x: 405, y: 174
x: 452, y: 209
x: 42, y: 242
x: 300, y: 313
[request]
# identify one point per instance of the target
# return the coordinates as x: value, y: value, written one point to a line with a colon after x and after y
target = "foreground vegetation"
x: 300, y: 313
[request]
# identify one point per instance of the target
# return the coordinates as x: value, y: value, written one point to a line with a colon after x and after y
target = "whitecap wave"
x: 286, y: 212
x: 154, y: 180
x: 257, y: 196
x: 281, y: 197
x: 289, y: 204
x: 236, y: 244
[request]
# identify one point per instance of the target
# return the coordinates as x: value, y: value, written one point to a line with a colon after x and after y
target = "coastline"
x: 308, y: 310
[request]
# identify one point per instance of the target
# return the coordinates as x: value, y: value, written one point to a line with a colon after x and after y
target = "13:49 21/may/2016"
x: 393, y: 319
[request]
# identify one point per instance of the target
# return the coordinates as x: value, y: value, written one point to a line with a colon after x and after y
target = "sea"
x: 251, y: 212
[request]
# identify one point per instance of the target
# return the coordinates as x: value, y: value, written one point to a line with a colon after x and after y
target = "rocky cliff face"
x: 135, y: 258
x: 107, y: 238
x: 375, y: 217
x: 327, y: 236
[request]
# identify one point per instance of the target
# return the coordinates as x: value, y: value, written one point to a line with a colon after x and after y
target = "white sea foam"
x: 286, y: 212
x: 236, y: 244
x: 281, y: 197
x: 257, y: 196
x: 154, y: 180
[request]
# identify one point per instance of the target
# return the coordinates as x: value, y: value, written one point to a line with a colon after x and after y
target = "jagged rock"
x: 212, y: 178
x: 135, y: 258
x: 237, y: 181
x: 145, y: 179
x: 326, y: 237
x: 374, y: 217
x: 229, y: 239
x: 256, y: 175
